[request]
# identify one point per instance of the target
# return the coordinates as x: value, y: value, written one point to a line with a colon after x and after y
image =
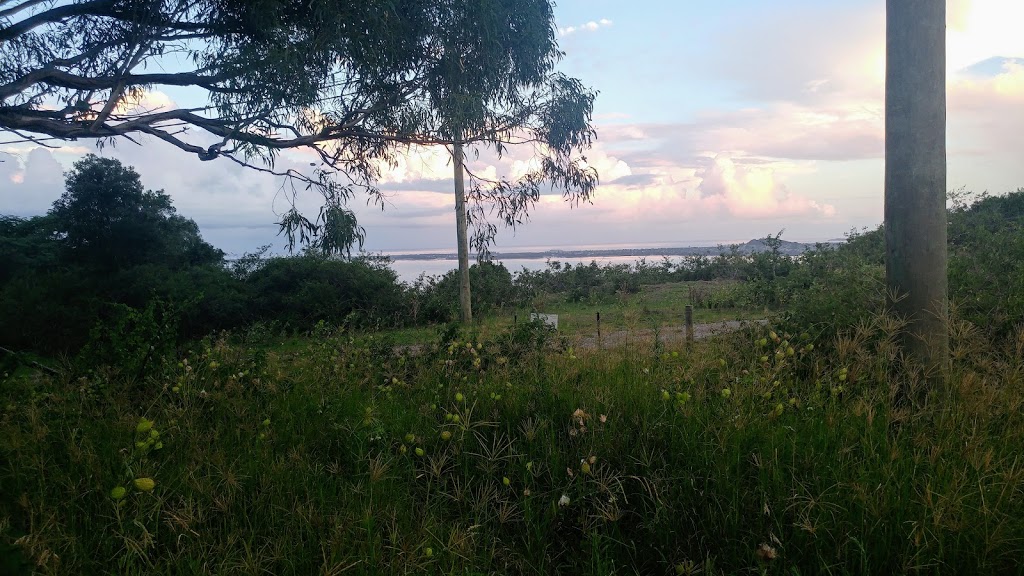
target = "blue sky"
x: 717, y: 121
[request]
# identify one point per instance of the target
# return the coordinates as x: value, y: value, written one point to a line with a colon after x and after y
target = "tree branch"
x: 70, y: 81
x: 94, y: 8
x: 23, y: 6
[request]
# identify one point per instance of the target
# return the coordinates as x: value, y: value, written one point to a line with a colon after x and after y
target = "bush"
x: 48, y: 310
x: 436, y: 298
x: 301, y: 291
x: 829, y: 288
x: 986, y: 264
x: 586, y: 282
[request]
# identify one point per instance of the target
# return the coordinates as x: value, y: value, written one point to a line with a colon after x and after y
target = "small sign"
x: 549, y: 319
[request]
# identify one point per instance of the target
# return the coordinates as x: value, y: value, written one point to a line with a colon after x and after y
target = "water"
x: 409, y: 270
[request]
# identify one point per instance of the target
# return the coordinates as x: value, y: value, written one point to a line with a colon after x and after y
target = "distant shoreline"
x: 752, y: 246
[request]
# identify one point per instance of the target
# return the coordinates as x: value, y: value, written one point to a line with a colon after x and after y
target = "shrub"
x: 301, y: 291
x: 436, y: 298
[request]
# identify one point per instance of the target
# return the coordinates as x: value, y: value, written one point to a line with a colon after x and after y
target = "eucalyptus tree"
x: 353, y: 82
x: 492, y: 84
x: 264, y: 76
x: 915, y: 175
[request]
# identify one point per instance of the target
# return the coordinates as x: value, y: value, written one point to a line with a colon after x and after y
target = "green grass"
x: 653, y: 307
x: 303, y: 459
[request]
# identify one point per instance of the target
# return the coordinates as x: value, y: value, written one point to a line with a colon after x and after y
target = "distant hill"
x: 749, y: 247
x: 785, y: 247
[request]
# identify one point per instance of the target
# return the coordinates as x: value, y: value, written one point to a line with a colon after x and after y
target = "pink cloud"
x: 752, y: 192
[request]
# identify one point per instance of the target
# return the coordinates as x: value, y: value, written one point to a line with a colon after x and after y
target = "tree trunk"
x: 461, y: 223
x: 915, y: 176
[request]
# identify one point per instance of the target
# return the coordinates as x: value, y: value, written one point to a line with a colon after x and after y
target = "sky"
x: 717, y: 122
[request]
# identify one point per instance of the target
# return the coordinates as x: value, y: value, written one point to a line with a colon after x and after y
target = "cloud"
x: 980, y: 29
x: 752, y: 192
x: 779, y: 131
x: 634, y: 180
x: 819, y: 52
x: 29, y: 183
x: 591, y: 26
x: 418, y: 163
x: 147, y: 101
x: 984, y: 130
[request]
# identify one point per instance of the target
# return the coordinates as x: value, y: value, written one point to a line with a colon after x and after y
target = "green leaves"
x: 106, y: 220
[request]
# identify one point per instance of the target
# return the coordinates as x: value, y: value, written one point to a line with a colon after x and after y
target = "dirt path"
x: 667, y: 335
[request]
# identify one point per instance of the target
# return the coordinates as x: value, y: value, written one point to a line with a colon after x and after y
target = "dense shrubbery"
x: 986, y: 264
x: 79, y: 265
x: 436, y: 298
x: 833, y: 287
x: 299, y: 292
x: 583, y: 282
x: 837, y: 288
x: 108, y: 249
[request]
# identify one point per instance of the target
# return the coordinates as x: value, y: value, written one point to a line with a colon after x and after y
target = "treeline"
x: 111, y: 256
x: 111, y: 259
x: 828, y: 287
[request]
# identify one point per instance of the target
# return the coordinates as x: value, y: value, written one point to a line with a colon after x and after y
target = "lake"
x: 408, y: 270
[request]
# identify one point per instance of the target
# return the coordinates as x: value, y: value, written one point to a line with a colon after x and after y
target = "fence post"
x: 689, y: 323
x: 598, y: 330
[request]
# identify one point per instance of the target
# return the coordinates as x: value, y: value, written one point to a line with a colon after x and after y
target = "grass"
x: 340, y: 454
x: 654, y: 307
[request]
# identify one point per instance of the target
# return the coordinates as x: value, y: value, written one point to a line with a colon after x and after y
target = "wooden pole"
x: 599, y: 330
x: 688, y: 311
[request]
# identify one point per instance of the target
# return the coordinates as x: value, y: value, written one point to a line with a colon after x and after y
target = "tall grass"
x: 753, y: 453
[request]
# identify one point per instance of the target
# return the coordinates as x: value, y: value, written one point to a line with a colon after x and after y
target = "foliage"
x: 353, y: 83
x: 436, y: 299
x: 508, y: 96
x: 249, y: 262
x: 302, y: 291
x: 206, y: 298
x: 583, y: 282
x: 131, y: 341
x: 48, y: 309
x: 334, y: 233
x: 835, y: 288
x: 106, y: 220
x: 986, y: 264
x: 326, y: 76
x: 107, y: 242
x: 831, y: 288
x: 754, y: 453
x: 24, y: 243
x: 764, y: 270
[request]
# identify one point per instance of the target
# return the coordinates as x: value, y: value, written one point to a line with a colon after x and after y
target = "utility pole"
x: 915, y: 176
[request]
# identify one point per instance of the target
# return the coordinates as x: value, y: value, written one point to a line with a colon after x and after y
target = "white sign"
x: 549, y: 319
